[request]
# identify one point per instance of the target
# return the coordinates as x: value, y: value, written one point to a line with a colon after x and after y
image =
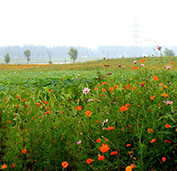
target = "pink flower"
x: 89, y: 100
x: 135, y: 62
x: 86, y: 90
x: 159, y: 48
x: 168, y: 102
x: 168, y: 67
x: 79, y: 142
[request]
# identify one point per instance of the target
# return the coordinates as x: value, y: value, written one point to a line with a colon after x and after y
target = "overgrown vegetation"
x: 114, y: 115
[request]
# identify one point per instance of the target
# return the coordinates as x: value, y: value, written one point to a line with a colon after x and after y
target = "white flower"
x: 105, y: 121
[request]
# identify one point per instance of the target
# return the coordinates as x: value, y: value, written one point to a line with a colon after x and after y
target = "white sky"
x: 87, y: 23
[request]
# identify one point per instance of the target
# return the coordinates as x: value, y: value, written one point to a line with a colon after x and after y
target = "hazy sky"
x: 87, y: 23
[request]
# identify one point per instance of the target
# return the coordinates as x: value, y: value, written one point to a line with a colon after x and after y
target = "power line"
x: 136, y: 50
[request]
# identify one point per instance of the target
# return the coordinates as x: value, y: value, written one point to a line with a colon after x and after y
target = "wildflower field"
x: 117, y: 114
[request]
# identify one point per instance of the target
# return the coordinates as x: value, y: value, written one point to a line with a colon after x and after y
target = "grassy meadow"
x: 110, y: 114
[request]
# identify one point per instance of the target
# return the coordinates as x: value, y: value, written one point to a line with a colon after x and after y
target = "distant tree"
x: 27, y: 54
x: 73, y: 54
x: 169, y: 52
x: 49, y: 54
x: 7, y: 58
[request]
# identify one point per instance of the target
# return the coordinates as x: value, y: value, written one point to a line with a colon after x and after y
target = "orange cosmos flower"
x: 64, y: 164
x: 128, y: 86
x: 48, y: 111
x: 128, y: 145
x: 78, y: 107
x: 172, y: 63
x: 104, y: 90
x: 4, y: 166
x: 98, y: 140
x: 38, y: 104
x: 150, y: 130
x: 88, y: 113
x: 51, y: 91
x: 109, y: 128
x: 163, y: 159
x: 111, y: 89
x: 45, y: 102
x: 98, y: 85
x: 104, y: 148
x: 104, y: 83
x: 167, y: 141
x: 130, y: 153
x: 101, y: 95
x: 164, y: 86
x: 89, y: 161
x: 133, y: 166
x: 12, y: 166
x: 115, y: 86
x: 9, y: 122
x: 100, y: 157
x: 151, y: 98
x: 135, y: 68
x: 164, y: 95
x: 114, y: 153
x: 127, y: 104
x: 167, y: 126
x: 155, y: 78
x: 133, y: 88
x: 123, y: 108
x: 153, y: 140
x: 128, y: 168
x: 24, y: 100
x: 17, y: 96
x: 96, y: 88
x: 24, y: 151
x: 141, y: 61
x: 27, y: 106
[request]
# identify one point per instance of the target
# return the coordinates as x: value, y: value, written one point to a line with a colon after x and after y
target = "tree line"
x: 43, y: 52
x: 73, y: 53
